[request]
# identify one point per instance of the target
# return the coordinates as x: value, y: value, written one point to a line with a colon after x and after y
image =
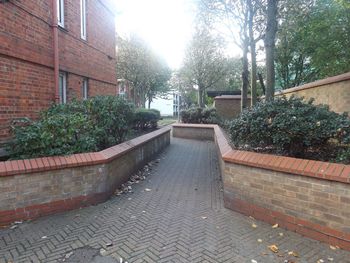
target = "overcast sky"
x: 165, y: 24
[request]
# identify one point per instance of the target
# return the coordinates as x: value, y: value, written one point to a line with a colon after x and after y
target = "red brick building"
x: 53, y: 50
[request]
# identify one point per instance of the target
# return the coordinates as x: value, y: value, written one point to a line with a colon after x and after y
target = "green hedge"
x: 293, y: 127
x: 75, y: 127
x: 199, y: 115
x: 146, y: 118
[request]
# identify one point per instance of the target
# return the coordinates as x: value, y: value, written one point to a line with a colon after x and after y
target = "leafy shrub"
x: 75, y: 127
x: 210, y: 116
x: 199, y: 115
x: 146, y: 118
x: 112, y: 118
x: 290, y: 126
x: 343, y: 156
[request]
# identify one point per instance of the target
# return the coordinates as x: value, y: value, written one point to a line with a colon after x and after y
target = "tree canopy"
x: 143, y: 68
x: 204, y: 64
x: 313, y: 41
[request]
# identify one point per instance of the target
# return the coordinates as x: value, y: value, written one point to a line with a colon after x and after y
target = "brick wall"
x: 333, y: 91
x: 25, y: 89
x: 320, y: 202
x: 41, y: 186
x: 192, y: 132
x: 26, y: 56
x: 309, y: 197
x: 228, y: 106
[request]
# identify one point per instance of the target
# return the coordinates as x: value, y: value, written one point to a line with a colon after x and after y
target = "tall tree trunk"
x: 270, y: 36
x: 253, y: 76
x: 143, y: 99
x: 200, y: 97
x: 261, y: 80
x: 245, y: 73
x: 149, y: 102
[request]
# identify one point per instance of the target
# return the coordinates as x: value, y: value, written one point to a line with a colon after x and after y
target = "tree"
x: 313, y: 41
x: 204, y: 64
x: 232, y: 79
x: 158, y: 83
x: 143, y: 68
x: 233, y: 14
x: 187, y: 91
x: 269, y: 42
x: 248, y: 16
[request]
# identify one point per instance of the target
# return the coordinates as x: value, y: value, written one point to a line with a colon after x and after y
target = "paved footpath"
x: 179, y: 218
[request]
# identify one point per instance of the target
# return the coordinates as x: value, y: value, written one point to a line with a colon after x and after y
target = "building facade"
x: 53, y: 51
x: 169, y: 105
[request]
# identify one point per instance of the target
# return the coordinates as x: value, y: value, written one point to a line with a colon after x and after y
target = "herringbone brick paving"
x: 182, y: 219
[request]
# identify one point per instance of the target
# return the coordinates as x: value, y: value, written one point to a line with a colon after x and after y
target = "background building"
x: 167, y: 105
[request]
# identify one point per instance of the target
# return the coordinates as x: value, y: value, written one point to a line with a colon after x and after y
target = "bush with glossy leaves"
x: 291, y: 127
x: 199, y: 115
x: 75, y: 127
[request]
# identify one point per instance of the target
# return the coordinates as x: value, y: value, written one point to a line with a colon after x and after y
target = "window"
x: 85, y: 89
x: 63, y: 87
x: 83, y: 18
x: 60, y: 12
x: 122, y: 92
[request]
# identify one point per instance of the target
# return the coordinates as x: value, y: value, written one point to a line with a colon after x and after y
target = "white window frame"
x: 63, y: 87
x: 83, y: 19
x: 60, y: 13
x: 85, y: 89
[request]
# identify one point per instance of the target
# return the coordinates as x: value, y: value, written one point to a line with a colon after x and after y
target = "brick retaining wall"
x: 333, y: 91
x: 309, y: 197
x: 36, y: 187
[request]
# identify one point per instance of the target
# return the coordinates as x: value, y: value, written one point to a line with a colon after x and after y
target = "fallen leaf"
x: 320, y: 261
x: 275, y: 226
x: 273, y: 248
x: 254, y: 261
x: 254, y: 225
x: 293, y: 253
x: 333, y: 247
x: 330, y: 259
x: 260, y: 240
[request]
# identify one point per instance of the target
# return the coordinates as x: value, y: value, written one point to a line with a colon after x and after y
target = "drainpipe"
x: 55, y: 49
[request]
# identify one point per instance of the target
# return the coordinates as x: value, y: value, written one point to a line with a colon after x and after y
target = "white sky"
x: 165, y: 24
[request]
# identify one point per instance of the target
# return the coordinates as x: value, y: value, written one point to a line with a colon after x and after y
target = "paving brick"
x: 182, y: 219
